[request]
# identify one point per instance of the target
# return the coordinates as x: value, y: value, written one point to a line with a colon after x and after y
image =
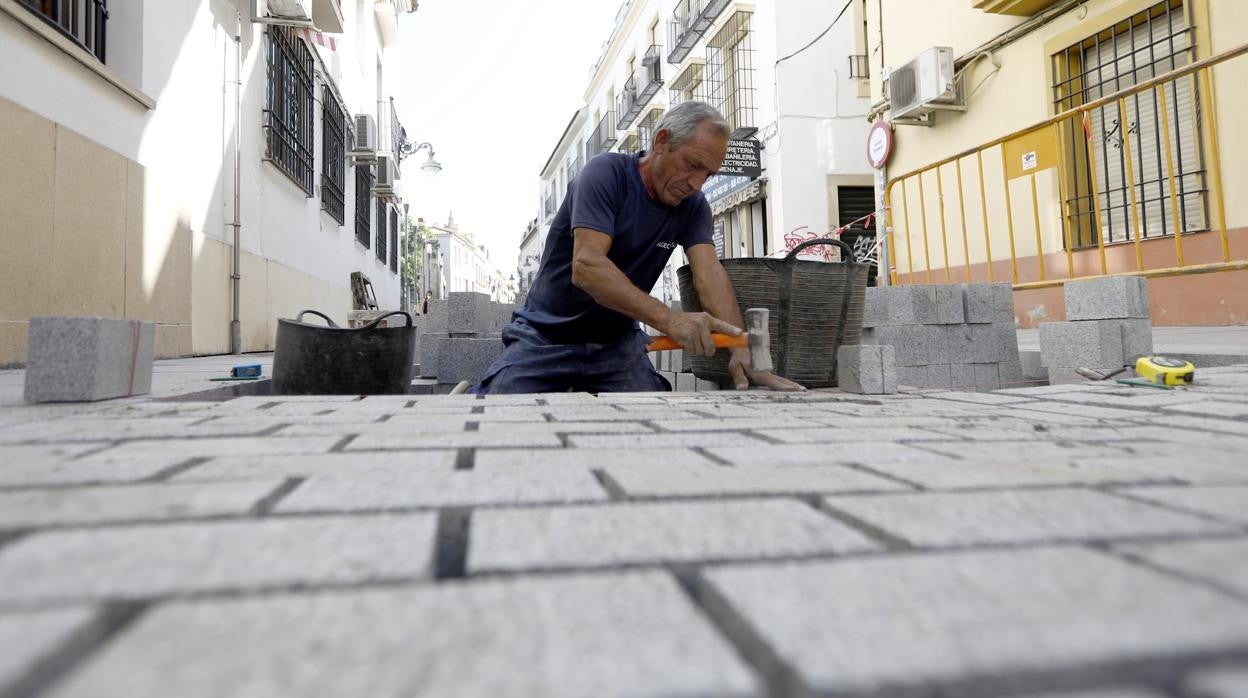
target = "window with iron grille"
x: 730, y: 71
x: 83, y: 21
x: 1141, y: 47
x: 363, y: 196
x: 647, y: 128
x: 690, y: 85
x: 333, y: 157
x: 394, y: 240
x: 382, y: 233
x: 288, y: 118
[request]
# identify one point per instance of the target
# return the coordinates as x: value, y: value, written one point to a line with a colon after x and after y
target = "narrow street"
x: 1052, y: 540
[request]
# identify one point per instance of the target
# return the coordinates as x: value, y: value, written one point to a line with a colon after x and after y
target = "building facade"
x: 1035, y: 141
x: 466, y: 265
x: 786, y: 74
x: 144, y: 138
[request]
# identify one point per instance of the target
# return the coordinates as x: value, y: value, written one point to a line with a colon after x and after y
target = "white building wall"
x: 181, y: 56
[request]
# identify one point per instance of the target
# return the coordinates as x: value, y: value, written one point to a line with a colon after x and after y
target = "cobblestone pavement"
x: 1085, y: 541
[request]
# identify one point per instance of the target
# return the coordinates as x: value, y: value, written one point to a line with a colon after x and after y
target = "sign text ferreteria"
x: 742, y: 159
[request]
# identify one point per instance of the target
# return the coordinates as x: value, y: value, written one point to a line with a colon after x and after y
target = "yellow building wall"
x: 1004, y: 101
x: 85, y: 231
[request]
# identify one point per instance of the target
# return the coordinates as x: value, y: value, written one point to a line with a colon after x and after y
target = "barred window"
x: 83, y: 21
x: 363, y: 196
x: 1137, y: 49
x: 394, y: 240
x: 333, y: 157
x: 730, y: 71
x: 381, y: 231
x: 288, y: 117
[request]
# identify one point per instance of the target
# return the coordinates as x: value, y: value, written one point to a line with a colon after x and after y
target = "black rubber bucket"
x: 816, y: 307
x: 332, y: 360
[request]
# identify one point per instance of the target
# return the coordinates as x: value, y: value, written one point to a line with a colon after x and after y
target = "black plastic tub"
x: 331, y: 360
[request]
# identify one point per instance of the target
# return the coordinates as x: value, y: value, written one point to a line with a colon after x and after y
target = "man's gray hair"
x: 683, y: 119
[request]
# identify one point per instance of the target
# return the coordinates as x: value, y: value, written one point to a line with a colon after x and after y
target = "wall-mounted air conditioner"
x: 365, y: 146
x: 924, y: 86
x: 291, y: 10
x: 384, y: 184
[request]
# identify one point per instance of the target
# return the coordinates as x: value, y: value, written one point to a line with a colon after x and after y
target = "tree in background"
x: 411, y: 262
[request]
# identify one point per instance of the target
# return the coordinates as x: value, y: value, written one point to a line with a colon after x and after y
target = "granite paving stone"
x: 356, y: 466
x: 638, y: 533
x: 933, y: 519
x: 627, y: 633
x: 971, y: 474
x: 733, y: 423
x: 864, y: 452
x: 1225, y: 503
x: 226, y: 446
x: 833, y: 435
x: 665, y: 480
x: 1221, y: 562
x: 1211, y: 408
x: 650, y: 441
x: 587, y: 457
x: 87, y: 470
x: 1012, y: 452
x: 29, y: 637
x: 84, y: 505
x: 143, y: 561
x: 521, y: 435
x: 617, y: 427
x: 1111, y: 692
x: 484, y: 485
x: 922, y: 621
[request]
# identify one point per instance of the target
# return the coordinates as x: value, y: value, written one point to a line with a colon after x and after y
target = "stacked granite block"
x: 460, y: 337
x: 959, y: 336
x: 1107, y: 327
x: 866, y: 369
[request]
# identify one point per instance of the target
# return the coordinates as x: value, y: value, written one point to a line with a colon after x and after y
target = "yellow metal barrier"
x: 1079, y: 258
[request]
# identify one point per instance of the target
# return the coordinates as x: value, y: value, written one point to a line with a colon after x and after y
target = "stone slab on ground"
x: 1013, y: 612
x: 986, y: 518
x: 615, y: 534
x: 469, y: 312
x: 867, y: 369
x: 628, y: 633
x: 1222, y: 563
x: 87, y: 505
x: 84, y: 359
x: 666, y: 480
x: 1087, y: 343
x: 129, y: 562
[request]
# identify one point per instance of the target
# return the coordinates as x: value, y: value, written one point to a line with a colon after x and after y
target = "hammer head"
x: 758, y: 336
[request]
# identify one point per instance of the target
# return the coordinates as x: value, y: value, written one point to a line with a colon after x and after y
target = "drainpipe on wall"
x: 236, y: 330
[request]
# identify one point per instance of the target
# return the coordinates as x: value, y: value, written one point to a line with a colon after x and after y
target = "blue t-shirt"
x: 608, y: 196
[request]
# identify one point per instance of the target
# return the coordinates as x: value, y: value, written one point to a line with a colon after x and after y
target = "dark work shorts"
x: 531, y: 363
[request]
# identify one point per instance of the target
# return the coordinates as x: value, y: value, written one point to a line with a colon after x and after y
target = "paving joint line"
x: 717, y: 460
x: 891, y: 541
x: 615, y: 493
x: 779, y: 679
x: 269, y: 501
x: 341, y: 445
x: 1109, y: 549
x: 450, y: 550
x: 1174, y: 509
x: 164, y: 474
x: 111, y: 621
x: 465, y: 458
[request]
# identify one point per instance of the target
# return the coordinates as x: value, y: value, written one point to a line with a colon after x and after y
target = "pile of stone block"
x: 1107, y: 326
x: 950, y: 336
x: 460, y: 336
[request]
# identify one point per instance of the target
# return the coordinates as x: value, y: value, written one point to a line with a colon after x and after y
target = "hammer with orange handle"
x: 756, y: 338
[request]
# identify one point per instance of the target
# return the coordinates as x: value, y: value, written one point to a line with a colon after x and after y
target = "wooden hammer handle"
x: 721, y: 340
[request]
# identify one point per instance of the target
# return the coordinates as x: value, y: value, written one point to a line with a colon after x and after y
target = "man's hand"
x: 739, y: 369
x: 693, y: 331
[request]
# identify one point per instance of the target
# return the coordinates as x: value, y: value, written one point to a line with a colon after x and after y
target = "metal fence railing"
x: 1009, y: 197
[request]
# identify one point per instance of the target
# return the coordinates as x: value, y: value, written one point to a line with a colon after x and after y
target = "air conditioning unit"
x: 924, y: 86
x: 384, y: 184
x: 292, y: 10
x: 365, y: 147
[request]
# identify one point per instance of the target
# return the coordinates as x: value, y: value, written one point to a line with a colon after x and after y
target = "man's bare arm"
x: 594, y: 273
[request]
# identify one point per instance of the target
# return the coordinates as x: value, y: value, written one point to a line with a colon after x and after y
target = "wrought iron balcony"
x: 690, y: 20
x: 640, y: 88
x: 603, y: 137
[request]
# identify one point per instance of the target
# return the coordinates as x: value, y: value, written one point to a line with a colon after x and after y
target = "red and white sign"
x: 880, y: 144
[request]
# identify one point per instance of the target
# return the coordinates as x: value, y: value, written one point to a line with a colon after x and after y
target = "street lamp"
x: 430, y: 166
